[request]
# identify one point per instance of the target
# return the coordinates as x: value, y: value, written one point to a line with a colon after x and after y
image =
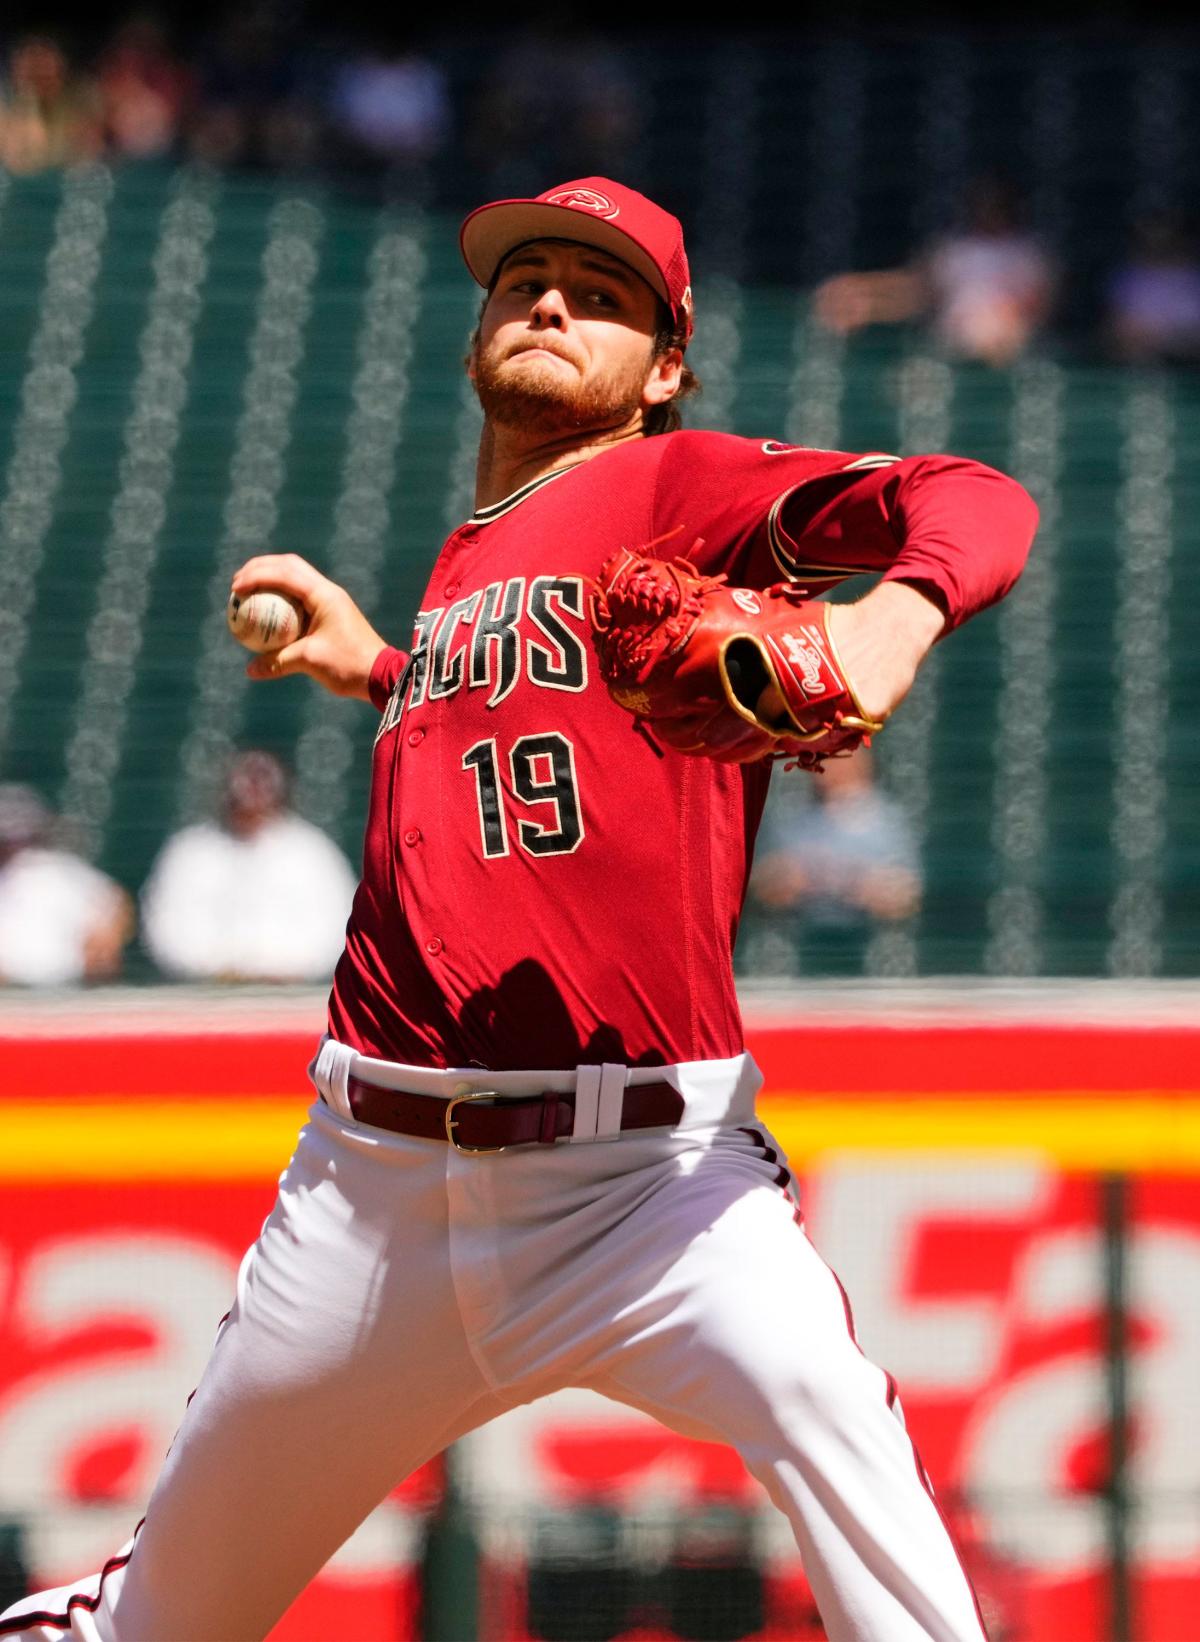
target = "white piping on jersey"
x: 811, y: 574
x: 791, y: 567
x: 877, y: 459
x: 485, y: 515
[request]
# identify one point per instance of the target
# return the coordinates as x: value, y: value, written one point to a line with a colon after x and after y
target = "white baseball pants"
x: 401, y: 1294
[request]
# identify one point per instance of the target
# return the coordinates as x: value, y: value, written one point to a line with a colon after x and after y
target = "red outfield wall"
x: 950, y: 1178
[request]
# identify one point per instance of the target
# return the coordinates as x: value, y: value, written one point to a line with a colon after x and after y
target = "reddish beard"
x: 552, y: 400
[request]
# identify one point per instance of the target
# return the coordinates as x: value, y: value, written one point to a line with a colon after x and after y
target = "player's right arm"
x: 339, y: 648
x: 957, y: 530
x: 947, y: 535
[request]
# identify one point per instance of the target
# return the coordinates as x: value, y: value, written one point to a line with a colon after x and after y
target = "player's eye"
x: 603, y: 299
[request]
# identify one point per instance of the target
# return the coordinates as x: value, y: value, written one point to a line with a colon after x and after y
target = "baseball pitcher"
x: 533, y: 1159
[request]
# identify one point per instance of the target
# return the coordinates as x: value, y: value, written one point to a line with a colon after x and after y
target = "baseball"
x: 265, y: 621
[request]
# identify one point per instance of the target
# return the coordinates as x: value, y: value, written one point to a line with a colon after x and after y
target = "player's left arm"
x: 949, y: 535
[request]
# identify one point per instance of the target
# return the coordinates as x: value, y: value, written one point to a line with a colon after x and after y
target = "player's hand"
x: 339, y: 645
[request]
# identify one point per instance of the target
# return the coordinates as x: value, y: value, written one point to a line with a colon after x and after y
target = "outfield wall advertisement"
x: 954, y: 1175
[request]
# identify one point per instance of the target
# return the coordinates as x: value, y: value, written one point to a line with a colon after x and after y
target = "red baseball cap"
x: 595, y: 211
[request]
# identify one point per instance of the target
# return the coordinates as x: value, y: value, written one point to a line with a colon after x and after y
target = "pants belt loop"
x: 612, y: 1099
x: 587, y: 1102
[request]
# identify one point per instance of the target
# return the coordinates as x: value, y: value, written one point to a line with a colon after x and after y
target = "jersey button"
x: 415, y: 737
x: 451, y: 589
x: 413, y: 835
x: 434, y: 945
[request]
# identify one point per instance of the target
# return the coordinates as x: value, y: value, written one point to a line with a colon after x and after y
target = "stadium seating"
x: 194, y: 368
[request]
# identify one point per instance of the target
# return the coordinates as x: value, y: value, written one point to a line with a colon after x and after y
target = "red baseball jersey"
x: 543, y: 885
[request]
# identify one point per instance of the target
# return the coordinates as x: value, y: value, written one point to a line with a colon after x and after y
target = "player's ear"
x: 666, y: 373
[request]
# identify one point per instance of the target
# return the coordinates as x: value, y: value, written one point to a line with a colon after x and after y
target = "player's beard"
x: 553, y: 401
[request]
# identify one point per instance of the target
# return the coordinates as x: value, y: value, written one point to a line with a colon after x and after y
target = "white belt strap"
x: 599, y: 1096
x: 330, y: 1074
x: 612, y: 1096
x: 587, y: 1102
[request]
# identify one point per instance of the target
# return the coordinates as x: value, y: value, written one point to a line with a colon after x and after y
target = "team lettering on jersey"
x: 476, y: 643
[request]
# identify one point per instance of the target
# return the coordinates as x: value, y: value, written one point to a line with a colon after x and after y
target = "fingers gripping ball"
x: 265, y: 621
x: 691, y: 657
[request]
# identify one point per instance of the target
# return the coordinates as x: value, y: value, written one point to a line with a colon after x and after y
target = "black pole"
x: 1114, y: 1212
x: 14, y: 1574
x: 450, y: 1565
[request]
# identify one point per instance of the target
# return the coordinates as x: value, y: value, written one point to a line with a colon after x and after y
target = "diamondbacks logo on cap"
x: 585, y: 199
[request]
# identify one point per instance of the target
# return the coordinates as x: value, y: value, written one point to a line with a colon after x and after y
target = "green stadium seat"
x: 900, y: 133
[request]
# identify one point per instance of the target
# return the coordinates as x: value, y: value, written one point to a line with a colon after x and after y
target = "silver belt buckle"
x: 451, y: 1125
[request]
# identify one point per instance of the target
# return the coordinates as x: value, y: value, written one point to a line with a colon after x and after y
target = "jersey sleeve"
x: 387, y: 668
x: 717, y: 500
x: 766, y: 512
x: 954, y: 528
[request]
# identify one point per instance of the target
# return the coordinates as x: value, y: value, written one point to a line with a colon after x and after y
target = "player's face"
x: 566, y: 342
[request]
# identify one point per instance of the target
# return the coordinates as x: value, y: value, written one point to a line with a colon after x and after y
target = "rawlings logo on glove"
x: 691, y: 657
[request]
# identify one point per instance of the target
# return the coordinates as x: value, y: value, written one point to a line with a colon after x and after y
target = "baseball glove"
x: 690, y: 657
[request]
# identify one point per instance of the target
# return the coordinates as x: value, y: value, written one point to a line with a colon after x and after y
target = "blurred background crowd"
x: 259, y: 91
x: 256, y: 894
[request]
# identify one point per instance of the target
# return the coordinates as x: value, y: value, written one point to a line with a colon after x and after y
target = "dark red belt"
x: 483, y: 1121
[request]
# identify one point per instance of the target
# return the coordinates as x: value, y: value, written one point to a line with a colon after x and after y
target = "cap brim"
x: 491, y: 232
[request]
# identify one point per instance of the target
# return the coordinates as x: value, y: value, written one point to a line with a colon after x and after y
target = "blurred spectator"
x: 145, y: 91
x: 252, y: 112
x: 61, y: 921
x: 1154, y: 298
x: 835, y: 859
x: 985, y: 289
x: 259, y: 895
x: 390, y: 112
x: 49, y: 115
x: 558, y: 104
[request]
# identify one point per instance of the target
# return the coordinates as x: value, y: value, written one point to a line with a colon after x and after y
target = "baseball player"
x: 533, y: 1160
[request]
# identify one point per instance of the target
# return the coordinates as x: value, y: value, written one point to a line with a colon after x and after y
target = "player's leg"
x: 341, y: 1368
x: 744, y: 1336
